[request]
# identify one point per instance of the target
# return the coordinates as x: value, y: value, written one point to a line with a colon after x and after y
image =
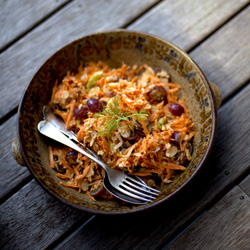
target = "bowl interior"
x: 114, y: 48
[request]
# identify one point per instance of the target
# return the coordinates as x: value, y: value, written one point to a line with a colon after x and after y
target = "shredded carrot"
x: 136, y: 132
x: 174, y: 166
x: 53, y: 91
x: 143, y: 122
x: 68, y: 185
x: 64, y: 177
x: 51, y: 160
x: 70, y: 116
x: 90, y: 196
x: 155, y: 134
x: 61, y: 113
x: 86, y: 171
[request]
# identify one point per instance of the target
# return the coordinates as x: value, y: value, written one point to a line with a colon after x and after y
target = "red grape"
x: 176, y: 136
x: 94, y: 105
x: 81, y: 113
x: 184, y: 161
x: 157, y: 93
x: 176, y: 109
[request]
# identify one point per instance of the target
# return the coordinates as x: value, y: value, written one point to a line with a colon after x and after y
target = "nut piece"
x: 84, y: 186
x: 163, y: 74
x: 188, y: 154
x: 171, y: 151
x: 124, y: 130
x: 112, y: 79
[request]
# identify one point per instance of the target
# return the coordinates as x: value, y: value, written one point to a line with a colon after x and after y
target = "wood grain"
x: 32, y: 219
x: 225, y: 226
x: 186, y: 23
x: 22, y: 60
x: 12, y: 174
x: 237, y: 79
x: 225, y: 56
x: 245, y: 185
x: 28, y: 54
x: 220, y: 57
x: 155, y: 228
x: 17, y: 17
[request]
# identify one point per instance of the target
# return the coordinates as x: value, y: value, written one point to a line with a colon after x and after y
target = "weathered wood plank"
x: 224, y: 57
x: 32, y: 219
x: 229, y: 160
x: 11, y: 173
x: 225, y: 226
x: 245, y: 185
x: 17, y: 17
x: 235, y: 80
x: 22, y: 60
x: 187, y: 22
x: 132, y: 232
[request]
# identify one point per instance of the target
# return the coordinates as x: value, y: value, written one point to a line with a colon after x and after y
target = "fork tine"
x: 155, y: 191
x: 128, y: 193
x: 140, y: 189
x: 137, y: 192
x: 131, y: 191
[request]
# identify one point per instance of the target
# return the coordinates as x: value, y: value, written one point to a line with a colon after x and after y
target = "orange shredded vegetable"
x: 131, y: 126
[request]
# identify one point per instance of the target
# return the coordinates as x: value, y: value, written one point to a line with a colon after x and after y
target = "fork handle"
x: 47, y: 129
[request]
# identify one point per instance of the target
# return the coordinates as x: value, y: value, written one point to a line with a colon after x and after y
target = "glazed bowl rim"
x: 149, y: 205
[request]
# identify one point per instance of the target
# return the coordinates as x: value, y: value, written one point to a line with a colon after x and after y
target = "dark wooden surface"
x: 214, y: 212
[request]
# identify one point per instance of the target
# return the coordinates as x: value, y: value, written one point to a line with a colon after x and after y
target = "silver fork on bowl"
x: 121, y: 185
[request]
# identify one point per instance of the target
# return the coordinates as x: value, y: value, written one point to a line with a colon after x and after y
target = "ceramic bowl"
x: 114, y: 48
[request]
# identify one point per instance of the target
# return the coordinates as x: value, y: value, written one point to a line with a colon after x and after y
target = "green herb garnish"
x: 114, y: 115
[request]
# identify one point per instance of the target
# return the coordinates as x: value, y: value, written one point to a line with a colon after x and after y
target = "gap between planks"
x: 141, y: 14
x: 218, y: 28
x: 34, y: 26
x: 245, y: 176
x: 14, y: 110
x: 240, y: 89
x: 235, y: 93
x: 216, y: 236
x: 206, y: 207
x: 69, y: 234
x: 24, y: 182
x: 10, y: 114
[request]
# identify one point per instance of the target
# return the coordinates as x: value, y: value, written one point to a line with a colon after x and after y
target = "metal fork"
x: 121, y: 182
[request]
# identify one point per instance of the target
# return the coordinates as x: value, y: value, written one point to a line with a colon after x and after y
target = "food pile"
x: 131, y: 117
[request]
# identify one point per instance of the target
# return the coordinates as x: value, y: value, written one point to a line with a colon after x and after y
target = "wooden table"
x: 214, y: 212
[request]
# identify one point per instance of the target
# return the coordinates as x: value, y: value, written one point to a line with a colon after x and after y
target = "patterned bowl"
x: 115, y: 47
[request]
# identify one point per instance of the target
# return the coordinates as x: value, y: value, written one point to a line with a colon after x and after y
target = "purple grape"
x: 140, y: 133
x: 176, y: 136
x: 71, y: 157
x: 94, y: 105
x: 176, y: 109
x: 55, y: 157
x: 139, y: 129
x: 157, y: 93
x: 81, y: 113
x: 125, y: 145
x: 184, y: 161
